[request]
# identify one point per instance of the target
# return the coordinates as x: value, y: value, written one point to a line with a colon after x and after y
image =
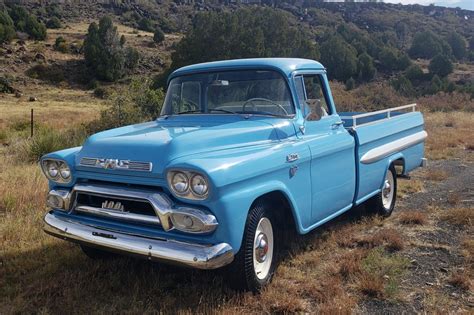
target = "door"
x: 333, y: 174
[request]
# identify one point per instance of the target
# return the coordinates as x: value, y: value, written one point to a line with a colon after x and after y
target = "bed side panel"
x: 377, y: 137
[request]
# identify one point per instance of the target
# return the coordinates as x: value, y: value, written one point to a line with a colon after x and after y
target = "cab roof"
x: 283, y: 65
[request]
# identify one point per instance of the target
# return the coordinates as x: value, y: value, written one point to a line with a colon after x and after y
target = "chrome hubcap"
x: 263, y: 248
x: 387, y: 190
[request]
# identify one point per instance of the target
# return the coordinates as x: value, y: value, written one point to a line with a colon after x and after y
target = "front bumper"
x: 156, y: 249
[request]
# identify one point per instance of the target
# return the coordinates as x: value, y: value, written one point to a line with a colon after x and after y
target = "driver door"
x: 331, y: 146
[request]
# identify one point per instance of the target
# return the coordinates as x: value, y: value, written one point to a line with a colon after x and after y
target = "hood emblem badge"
x: 113, y: 205
x: 108, y: 163
x: 116, y: 164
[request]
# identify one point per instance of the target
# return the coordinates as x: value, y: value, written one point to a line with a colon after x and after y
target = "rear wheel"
x: 384, y: 202
x: 255, y: 263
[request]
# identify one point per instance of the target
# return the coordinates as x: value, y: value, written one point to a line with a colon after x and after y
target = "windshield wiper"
x: 263, y: 113
x: 222, y: 110
x: 189, y: 111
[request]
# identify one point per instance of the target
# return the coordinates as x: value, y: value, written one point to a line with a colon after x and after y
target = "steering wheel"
x: 189, y: 105
x: 254, y: 108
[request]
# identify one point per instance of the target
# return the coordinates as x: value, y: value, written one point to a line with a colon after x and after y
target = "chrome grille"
x: 114, y: 207
x: 116, y: 164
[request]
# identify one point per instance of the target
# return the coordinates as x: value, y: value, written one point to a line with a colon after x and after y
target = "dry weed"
x: 461, y: 280
x: 412, y: 218
x: 462, y: 217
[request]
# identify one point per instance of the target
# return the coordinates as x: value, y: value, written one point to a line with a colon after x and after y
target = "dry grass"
x: 412, y: 218
x: 461, y: 280
x: 447, y: 142
x: 388, y: 237
x: 436, y: 175
x: 55, y: 107
x: 371, y: 285
x: 408, y: 187
x: 453, y: 198
x: 462, y: 217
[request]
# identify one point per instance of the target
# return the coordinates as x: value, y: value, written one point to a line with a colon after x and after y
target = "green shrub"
x: 61, y: 45
x: 365, y: 67
x: 244, y: 33
x: 414, y: 73
x: 105, y: 53
x: 47, y: 139
x: 339, y: 58
x: 440, y: 65
x: 54, y: 23
x: 457, y: 44
x: 3, y: 136
x: 158, y: 36
x: 5, y: 85
x: 53, y: 73
x: 435, y: 86
x: 7, y: 28
x: 350, y: 84
x: 101, y: 92
x: 388, y: 59
x: 135, y: 104
x: 146, y: 25
x: 403, y: 86
x: 427, y: 45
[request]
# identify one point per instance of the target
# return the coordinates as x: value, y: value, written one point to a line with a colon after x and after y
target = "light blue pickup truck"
x: 243, y: 151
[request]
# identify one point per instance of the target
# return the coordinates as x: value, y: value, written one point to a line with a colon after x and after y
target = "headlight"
x: 199, y: 185
x: 188, y: 184
x: 180, y: 182
x: 56, y: 170
x: 64, y: 171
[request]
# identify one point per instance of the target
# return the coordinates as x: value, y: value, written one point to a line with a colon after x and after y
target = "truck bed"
x: 394, y: 135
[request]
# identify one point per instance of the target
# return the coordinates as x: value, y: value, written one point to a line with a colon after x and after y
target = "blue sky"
x: 464, y: 4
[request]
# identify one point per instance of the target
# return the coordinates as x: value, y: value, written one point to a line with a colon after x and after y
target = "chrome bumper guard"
x: 164, y: 250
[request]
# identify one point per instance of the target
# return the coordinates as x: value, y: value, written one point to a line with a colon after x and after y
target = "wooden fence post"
x: 31, y: 124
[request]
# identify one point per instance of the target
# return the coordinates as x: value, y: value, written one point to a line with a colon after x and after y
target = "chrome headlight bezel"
x: 62, y: 169
x: 189, y: 192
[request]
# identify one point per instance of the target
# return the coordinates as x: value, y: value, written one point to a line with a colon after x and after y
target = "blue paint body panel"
x: 246, y: 157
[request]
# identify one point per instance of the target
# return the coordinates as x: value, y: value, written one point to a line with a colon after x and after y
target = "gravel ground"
x: 435, y: 250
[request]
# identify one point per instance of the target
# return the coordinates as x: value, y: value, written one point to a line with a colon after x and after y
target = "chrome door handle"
x: 337, y: 124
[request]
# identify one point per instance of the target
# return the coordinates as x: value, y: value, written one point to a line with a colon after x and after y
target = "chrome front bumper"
x: 168, y: 251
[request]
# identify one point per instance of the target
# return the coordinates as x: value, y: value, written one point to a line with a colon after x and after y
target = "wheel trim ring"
x: 262, y: 269
x: 388, y: 190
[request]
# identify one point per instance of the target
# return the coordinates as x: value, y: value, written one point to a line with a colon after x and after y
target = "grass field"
x: 335, y: 269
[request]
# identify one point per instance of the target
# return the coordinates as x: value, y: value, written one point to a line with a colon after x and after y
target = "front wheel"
x: 255, y: 263
x: 384, y: 202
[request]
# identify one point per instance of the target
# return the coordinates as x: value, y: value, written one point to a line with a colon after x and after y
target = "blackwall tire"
x: 254, y: 265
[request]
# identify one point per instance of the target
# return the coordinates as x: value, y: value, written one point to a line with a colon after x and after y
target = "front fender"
x: 239, y: 177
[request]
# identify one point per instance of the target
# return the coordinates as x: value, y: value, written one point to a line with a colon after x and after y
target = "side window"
x: 311, y: 95
x: 186, y: 96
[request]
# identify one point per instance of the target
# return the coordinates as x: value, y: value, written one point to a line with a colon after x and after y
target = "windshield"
x: 229, y: 92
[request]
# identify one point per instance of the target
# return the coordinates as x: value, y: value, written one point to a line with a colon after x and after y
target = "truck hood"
x: 164, y: 140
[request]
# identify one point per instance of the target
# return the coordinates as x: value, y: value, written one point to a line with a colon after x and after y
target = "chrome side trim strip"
x: 168, y: 251
x: 385, y: 150
x: 114, y: 214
